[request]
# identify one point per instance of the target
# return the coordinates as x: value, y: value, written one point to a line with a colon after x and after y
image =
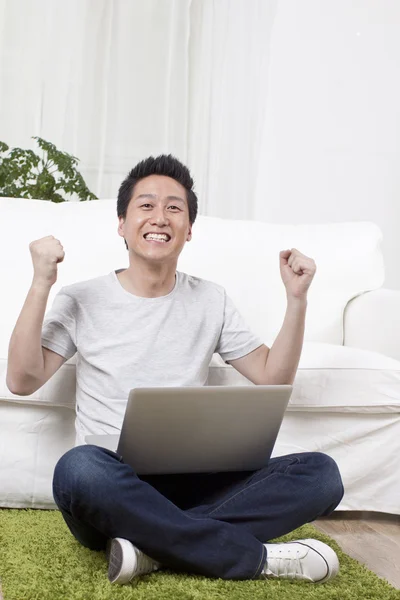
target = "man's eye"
x: 143, y: 205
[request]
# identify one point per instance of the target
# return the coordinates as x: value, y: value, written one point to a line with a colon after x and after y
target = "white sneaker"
x: 125, y: 561
x: 309, y: 560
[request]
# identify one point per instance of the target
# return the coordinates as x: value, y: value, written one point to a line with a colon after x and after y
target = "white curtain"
x: 229, y: 57
x: 105, y: 80
x: 114, y: 81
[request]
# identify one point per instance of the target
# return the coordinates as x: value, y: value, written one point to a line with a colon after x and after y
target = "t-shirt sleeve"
x: 236, y: 339
x: 59, y: 325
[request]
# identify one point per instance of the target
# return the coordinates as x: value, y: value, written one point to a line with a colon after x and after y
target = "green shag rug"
x: 40, y: 560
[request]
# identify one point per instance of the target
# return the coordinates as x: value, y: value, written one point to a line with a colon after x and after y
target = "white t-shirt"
x: 125, y: 341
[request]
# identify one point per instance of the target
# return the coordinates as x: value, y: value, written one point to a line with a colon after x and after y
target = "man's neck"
x: 149, y: 283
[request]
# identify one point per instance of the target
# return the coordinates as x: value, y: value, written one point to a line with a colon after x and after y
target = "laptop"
x: 198, y: 429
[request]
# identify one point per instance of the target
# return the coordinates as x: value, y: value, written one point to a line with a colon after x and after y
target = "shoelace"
x: 288, y: 566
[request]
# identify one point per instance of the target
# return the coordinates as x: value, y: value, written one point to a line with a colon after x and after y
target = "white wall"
x: 331, y: 149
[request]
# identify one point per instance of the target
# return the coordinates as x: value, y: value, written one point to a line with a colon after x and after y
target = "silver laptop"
x: 199, y: 429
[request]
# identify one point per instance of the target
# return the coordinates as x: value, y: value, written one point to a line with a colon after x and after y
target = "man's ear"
x: 121, y: 223
x: 189, y: 237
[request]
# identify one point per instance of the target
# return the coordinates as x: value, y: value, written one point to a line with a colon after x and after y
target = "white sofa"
x: 346, y: 396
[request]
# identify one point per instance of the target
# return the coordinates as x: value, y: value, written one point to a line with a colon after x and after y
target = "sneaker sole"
x: 121, y: 561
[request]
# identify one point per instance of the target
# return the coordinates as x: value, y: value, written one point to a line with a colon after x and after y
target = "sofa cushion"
x: 329, y: 378
x: 243, y: 256
x: 332, y: 378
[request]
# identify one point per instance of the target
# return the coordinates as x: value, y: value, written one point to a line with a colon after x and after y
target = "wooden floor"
x: 371, y: 538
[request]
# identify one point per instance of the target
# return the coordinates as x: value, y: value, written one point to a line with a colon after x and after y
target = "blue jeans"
x: 214, y: 524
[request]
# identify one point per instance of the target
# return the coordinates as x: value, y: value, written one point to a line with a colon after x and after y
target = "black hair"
x: 166, y: 165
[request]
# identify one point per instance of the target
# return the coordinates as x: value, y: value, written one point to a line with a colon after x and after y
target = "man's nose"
x: 159, y: 216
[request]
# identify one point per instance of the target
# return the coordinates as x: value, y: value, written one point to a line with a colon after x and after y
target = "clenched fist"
x: 46, y: 253
x: 297, y: 272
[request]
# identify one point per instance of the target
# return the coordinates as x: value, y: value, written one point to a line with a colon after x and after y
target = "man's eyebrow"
x: 176, y: 198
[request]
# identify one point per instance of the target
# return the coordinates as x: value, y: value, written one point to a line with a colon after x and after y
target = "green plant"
x: 24, y: 174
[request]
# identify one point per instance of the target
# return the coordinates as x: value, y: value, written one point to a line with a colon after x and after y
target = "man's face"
x: 158, y: 205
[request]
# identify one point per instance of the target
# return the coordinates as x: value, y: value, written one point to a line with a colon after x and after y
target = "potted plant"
x: 24, y: 174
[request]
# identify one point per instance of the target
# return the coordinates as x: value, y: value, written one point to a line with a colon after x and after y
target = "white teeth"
x: 157, y: 237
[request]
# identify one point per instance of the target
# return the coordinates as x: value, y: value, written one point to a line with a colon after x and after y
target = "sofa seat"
x: 345, y: 402
x: 333, y: 378
x: 330, y: 377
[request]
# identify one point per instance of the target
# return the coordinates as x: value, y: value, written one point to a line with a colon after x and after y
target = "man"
x: 151, y: 325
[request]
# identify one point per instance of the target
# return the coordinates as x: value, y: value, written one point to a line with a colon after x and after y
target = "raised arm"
x: 29, y: 365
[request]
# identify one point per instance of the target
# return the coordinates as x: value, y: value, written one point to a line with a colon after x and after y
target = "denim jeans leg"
x: 101, y: 497
x: 292, y: 490
x: 85, y: 534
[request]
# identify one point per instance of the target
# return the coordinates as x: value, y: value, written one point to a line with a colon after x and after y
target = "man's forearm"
x: 284, y: 355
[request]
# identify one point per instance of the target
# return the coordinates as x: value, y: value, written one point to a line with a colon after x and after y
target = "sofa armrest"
x: 372, y: 322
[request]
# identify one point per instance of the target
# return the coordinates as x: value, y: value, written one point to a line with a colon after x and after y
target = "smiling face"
x: 159, y: 206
